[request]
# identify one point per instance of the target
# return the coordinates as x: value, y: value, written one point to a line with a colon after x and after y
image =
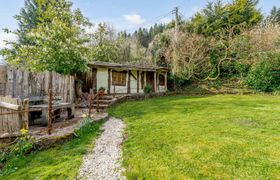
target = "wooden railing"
x: 14, y: 116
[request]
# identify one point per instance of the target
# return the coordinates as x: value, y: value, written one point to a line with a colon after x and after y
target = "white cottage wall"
x: 133, y: 82
x: 102, y: 81
x: 102, y: 78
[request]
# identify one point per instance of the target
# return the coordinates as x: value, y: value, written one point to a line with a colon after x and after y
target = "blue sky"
x: 122, y: 14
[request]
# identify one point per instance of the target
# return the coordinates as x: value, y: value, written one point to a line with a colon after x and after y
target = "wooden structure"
x: 22, y: 92
x: 22, y: 84
x: 44, y: 108
x: 11, y: 122
x: 123, y: 78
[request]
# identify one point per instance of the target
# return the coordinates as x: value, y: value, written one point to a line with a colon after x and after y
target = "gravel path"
x: 105, y: 160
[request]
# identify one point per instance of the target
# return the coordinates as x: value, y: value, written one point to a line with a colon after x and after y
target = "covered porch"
x: 123, y: 79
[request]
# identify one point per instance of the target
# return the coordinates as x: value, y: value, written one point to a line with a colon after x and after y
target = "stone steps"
x: 106, y: 101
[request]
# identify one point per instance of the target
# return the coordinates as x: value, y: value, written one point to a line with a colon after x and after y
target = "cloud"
x: 165, y: 20
x: 134, y: 19
x: 6, y: 36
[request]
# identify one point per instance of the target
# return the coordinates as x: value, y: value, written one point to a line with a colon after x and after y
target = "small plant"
x: 101, y: 91
x: 86, y: 126
x: 148, y: 89
x: 22, y: 146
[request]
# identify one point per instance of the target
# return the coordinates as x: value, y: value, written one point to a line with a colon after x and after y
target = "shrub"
x: 148, y: 89
x: 264, y: 76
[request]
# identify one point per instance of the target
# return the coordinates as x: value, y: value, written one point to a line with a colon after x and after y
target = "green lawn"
x: 221, y: 136
x: 60, y: 162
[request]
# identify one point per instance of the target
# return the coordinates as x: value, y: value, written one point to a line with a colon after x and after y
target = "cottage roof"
x: 126, y: 66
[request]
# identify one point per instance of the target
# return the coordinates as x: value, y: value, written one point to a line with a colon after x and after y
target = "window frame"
x: 161, y: 79
x: 119, y: 78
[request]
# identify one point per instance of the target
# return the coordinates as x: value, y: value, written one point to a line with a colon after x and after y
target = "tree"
x: 274, y: 15
x: 217, y: 17
x: 27, y: 19
x: 104, y: 44
x: 264, y: 76
x: 56, y: 41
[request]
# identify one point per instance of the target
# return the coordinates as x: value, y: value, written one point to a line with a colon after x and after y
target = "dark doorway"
x: 151, y: 79
x: 88, y: 80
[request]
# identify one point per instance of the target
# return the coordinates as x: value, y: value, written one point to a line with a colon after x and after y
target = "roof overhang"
x: 126, y: 66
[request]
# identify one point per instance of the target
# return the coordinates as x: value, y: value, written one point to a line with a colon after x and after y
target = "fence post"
x: 25, y: 115
x: 97, y: 98
x: 50, y: 118
x: 90, y: 102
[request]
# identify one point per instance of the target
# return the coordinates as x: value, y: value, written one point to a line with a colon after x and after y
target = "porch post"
x: 165, y: 81
x: 138, y: 81
x: 128, y: 83
x: 155, y: 81
x: 109, y: 82
x: 158, y: 82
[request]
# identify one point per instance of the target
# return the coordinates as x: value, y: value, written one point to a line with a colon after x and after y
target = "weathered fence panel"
x: 23, y: 84
x: 10, y: 124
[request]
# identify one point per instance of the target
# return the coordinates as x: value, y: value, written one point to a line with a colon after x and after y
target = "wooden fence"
x: 10, y: 124
x: 22, y: 84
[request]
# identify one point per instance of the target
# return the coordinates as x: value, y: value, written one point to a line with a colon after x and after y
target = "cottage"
x: 123, y: 79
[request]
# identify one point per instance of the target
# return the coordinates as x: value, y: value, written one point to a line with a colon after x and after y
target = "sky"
x: 121, y: 14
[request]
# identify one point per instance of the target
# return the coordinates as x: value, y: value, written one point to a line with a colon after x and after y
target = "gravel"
x: 104, y: 162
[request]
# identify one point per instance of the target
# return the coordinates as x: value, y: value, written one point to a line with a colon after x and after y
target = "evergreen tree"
x: 218, y: 17
x: 274, y: 15
x: 104, y: 44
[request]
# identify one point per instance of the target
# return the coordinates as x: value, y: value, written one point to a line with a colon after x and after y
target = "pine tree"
x: 274, y: 15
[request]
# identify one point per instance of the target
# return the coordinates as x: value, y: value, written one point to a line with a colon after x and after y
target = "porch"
x: 121, y: 79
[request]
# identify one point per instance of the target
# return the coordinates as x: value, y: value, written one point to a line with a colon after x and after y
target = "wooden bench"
x: 56, y: 107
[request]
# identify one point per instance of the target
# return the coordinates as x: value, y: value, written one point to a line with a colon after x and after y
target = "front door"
x: 151, y: 79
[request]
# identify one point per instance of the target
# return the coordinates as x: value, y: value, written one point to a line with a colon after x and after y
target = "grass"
x: 223, y: 136
x: 60, y: 162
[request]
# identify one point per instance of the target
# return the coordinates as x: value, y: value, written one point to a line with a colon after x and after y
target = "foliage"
x: 209, y: 137
x: 145, y: 36
x: 274, y: 15
x: 85, y: 127
x: 60, y: 162
x: 264, y: 76
x: 104, y: 45
x: 158, y: 48
x: 148, y: 89
x: 102, y: 89
x: 22, y: 146
x: 56, y: 38
x: 218, y: 16
x: 135, y: 48
x: 28, y: 19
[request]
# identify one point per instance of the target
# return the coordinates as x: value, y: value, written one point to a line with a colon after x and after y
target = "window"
x: 119, y: 78
x: 161, y: 80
